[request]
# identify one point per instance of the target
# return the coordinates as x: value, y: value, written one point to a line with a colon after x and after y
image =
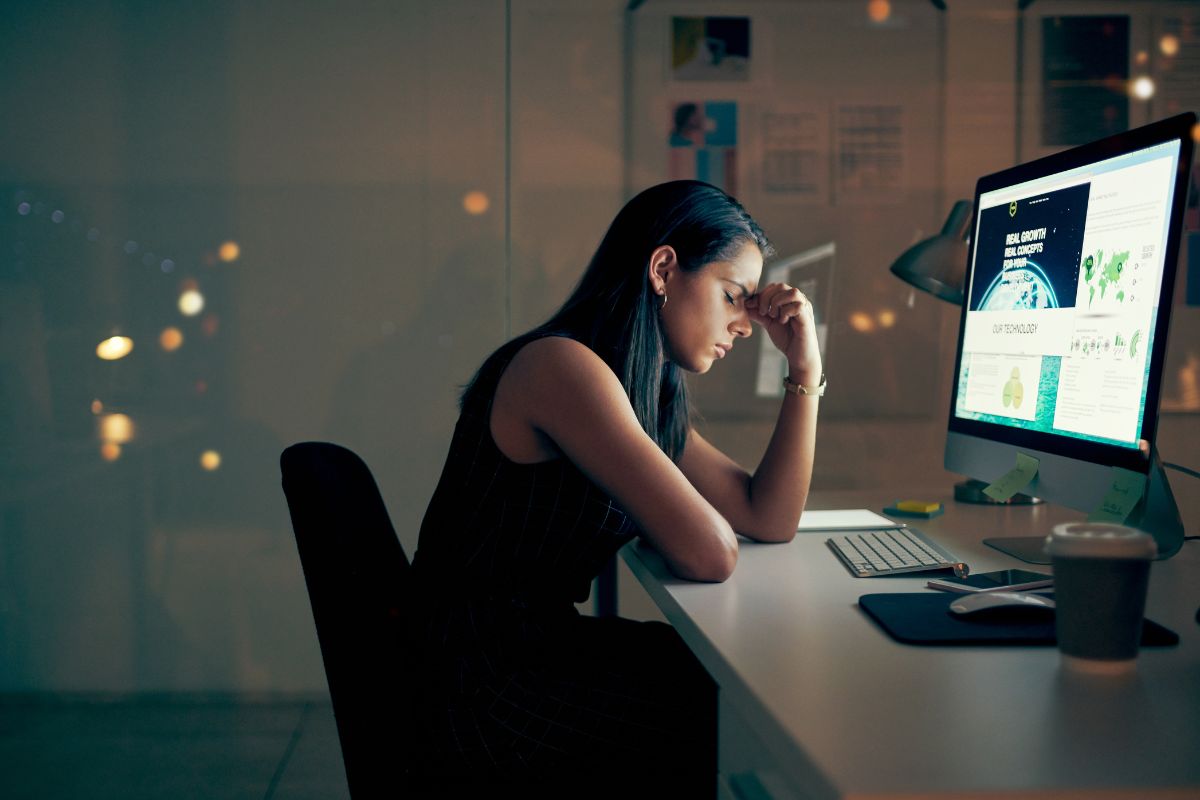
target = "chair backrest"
x: 356, y: 573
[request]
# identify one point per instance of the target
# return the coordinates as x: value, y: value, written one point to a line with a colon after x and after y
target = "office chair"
x: 357, y: 577
x: 356, y: 573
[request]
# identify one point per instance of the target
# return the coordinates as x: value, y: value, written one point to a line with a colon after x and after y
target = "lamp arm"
x: 959, y: 220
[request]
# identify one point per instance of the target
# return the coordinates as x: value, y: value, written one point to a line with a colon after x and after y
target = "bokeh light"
x: 476, y: 203
x: 210, y: 324
x: 1142, y: 88
x: 229, y: 251
x: 886, y: 318
x: 1169, y: 45
x: 110, y: 451
x: 862, y: 322
x: 171, y: 339
x: 1142, y: 58
x: 191, y: 303
x: 97, y: 406
x: 210, y: 460
x: 879, y: 10
x: 114, y: 347
x: 116, y: 428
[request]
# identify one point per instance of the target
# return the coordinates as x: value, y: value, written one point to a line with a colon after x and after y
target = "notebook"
x: 846, y: 519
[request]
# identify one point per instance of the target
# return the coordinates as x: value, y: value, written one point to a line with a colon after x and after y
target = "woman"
x: 573, y: 439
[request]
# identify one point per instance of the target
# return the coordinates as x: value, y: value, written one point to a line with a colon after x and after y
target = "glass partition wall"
x: 227, y: 228
x: 231, y: 227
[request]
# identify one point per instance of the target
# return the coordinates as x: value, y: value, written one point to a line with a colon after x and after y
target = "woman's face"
x: 706, y: 309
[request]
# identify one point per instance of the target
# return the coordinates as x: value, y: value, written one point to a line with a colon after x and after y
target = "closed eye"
x: 729, y: 298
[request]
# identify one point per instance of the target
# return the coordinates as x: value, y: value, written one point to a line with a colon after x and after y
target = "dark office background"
x: 313, y: 219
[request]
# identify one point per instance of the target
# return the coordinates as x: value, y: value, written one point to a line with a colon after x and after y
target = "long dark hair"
x: 614, y: 311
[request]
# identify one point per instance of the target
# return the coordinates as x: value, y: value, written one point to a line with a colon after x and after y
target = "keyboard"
x: 889, y: 552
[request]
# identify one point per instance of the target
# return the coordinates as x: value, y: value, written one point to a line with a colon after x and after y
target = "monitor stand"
x: 1156, y: 514
x: 1030, y: 549
x: 972, y: 491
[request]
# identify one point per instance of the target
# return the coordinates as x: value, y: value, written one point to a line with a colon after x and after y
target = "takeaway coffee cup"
x: 1101, y: 572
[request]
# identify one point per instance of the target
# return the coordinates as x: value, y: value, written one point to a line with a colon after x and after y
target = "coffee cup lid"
x: 1099, y: 540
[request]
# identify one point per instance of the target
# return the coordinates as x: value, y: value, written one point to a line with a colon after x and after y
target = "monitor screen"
x: 1063, y: 300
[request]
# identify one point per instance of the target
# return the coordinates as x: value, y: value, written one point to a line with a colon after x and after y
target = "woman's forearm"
x: 779, y: 487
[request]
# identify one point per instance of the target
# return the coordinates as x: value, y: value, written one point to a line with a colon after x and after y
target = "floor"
x: 169, y: 747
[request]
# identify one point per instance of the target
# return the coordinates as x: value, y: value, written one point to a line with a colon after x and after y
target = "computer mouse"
x: 1011, y: 606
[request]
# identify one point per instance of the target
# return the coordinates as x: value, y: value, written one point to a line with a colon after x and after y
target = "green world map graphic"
x: 1097, y: 273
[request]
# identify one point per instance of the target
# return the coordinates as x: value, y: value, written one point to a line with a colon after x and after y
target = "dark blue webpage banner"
x: 1028, y: 251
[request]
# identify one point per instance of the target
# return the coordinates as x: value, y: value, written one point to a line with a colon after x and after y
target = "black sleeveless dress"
x: 515, y: 682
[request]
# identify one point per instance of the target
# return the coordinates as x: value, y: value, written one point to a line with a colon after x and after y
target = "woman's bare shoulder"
x: 559, y: 380
x: 558, y: 362
x: 550, y: 382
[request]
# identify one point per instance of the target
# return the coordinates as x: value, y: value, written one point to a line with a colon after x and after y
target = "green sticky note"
x: 1013, y: 481
x: 1123, y: 494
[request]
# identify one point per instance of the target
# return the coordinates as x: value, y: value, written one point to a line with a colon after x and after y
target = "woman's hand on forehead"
x: 777, y: 301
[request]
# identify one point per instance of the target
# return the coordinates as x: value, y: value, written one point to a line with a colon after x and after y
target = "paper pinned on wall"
x: 869, y: 163
x: 1085, y: 72
x: 1178, y: 78
x: 795, y: 155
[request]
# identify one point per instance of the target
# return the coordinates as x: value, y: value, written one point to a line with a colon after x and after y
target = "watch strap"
x: 798, y: 389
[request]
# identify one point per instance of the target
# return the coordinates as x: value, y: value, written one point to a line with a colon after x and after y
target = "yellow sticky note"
x: 1013, y: 481
x: 918, y: 506
x: 1123, y: 494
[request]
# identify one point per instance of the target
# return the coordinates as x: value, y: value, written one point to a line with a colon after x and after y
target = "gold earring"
x: 663, y: 304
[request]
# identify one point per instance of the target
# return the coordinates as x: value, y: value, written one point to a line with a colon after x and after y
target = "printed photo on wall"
x: 702, y: 144
x: 710, y: 48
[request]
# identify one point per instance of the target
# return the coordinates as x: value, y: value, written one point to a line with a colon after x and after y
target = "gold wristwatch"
x: 797, y: 389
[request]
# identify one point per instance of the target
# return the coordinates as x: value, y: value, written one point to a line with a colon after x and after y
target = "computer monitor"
x: 1066, y: 308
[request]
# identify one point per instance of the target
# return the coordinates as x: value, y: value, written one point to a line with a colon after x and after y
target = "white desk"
x: 818, y: 702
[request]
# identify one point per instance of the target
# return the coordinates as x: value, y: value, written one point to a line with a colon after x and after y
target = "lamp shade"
x: 938, y: 265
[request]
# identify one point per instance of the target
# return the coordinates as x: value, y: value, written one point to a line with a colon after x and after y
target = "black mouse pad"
x: 926, y: 619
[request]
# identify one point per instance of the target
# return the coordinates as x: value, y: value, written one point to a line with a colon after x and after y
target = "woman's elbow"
x: 772, y: 534
x: 714, y: 565
x: 779, y: 535
x: 722, y: 567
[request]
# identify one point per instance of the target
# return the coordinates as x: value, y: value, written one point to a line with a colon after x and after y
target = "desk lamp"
x: 938, y: 265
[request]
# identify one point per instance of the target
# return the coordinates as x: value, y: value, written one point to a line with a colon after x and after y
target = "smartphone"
x: 1009, y: 580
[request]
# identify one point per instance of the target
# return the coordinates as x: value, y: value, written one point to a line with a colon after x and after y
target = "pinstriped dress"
x: 515, y: 681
